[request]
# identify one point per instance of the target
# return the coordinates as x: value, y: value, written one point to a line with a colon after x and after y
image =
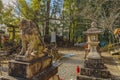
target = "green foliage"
x: 35, y: 10
x: 35, y: 5
x: 1, y: 7
x: 76, y: 12
x: 76, y: 22
x: 25, y: 9
x: 75, y: 17
x: 9, y: 19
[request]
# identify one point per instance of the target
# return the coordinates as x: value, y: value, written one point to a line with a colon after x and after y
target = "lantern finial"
x: 93, y: 24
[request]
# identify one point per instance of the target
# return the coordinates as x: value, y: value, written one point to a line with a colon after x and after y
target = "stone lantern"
x: 92, y: 35
x: 1, y: 33
x: 94, y: 68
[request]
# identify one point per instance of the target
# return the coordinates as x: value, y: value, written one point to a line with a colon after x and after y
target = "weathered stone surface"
x: 81, y: 77
x: 94, y: 64
x: 3, y: 78
x: 46, y: 74
x: 43, y: 75
x: 98, y: 73
x: 29, y: 69
x: 93, y: 54
x: 24, y: 58
x: 33, y: 59
x: 94, y: 69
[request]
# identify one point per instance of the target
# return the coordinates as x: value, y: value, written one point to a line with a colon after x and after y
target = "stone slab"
x: 44, y: 75
x: 98, y: 73
x: 81, y: 77
x: 94, y: 64
x: 28, y: 58
x: 29, y: 69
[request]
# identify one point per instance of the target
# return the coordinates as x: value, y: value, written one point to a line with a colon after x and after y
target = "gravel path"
x: 67, y: 71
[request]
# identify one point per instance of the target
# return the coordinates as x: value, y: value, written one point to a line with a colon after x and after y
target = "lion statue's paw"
x: 21, y: 53
x: 33, y: 53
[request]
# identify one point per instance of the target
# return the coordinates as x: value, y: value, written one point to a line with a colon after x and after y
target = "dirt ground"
x: 67, y: 71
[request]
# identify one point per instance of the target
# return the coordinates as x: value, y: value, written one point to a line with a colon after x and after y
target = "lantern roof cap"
x: 93, y: 29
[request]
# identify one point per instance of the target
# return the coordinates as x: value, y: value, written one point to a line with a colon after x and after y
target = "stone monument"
x: 53, y: 47
x: 53, y: 37
x: 94, y: 68
x: 32, y: 63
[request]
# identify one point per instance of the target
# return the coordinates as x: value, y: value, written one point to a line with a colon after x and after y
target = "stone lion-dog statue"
x: 32, y: 43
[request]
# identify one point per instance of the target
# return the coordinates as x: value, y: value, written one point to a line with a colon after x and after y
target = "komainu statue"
x: 32, y: 63
x: 32, y: 43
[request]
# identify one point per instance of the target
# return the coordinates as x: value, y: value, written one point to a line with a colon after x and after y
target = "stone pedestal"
x: 94, y: 69
x: 38, y: 69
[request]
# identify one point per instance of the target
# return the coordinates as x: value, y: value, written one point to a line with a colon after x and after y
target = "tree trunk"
x: 70, y: 32
x: 73, y: 32
x: 47, y: 21
x: 13, y: 34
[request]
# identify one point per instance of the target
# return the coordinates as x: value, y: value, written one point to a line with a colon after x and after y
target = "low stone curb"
x: 117, y: 62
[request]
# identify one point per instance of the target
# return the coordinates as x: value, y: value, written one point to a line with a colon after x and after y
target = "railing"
x: 114, y: 48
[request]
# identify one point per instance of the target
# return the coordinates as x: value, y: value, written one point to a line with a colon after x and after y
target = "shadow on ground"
x: 71, y: 61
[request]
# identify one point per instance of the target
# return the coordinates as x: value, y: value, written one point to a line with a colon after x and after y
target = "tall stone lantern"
x: 94, y: 68
x: 92, y: 36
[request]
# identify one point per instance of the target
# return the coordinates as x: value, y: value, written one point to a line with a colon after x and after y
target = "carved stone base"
x: 3, y: 78
x: 29, y: 69
x: 44, y: 75
x: 81, y: 77
x: 94, y: 64
x: 95, y: 73
x: 28, y: 58
x: 94, y: 69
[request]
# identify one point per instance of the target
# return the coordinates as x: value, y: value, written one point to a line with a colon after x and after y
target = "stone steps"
x: 99, y: 73
x: 83, y: 77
